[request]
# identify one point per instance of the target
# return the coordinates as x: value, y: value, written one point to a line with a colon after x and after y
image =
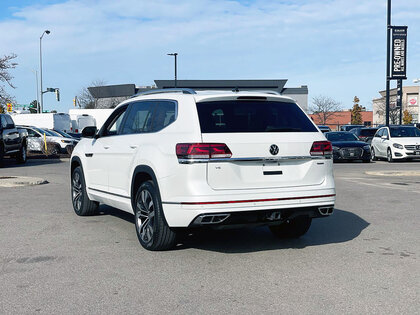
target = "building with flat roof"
x: 410, y: 102
x: 110, y: 95
x: 337, y: 119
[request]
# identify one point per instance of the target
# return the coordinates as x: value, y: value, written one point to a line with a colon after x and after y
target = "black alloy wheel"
x: 152, y: 229
x: 82, y: 205
x: 22, y: 155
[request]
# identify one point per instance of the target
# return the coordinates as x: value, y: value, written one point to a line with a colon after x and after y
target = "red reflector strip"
x: 254, y: 200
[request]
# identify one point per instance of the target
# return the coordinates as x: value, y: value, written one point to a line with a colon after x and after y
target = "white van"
x: 57, y: 121
x: 100, y: 115
x: 78, y: 122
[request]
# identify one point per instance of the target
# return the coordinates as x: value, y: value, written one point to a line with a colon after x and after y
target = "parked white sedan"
x: 396, y: 142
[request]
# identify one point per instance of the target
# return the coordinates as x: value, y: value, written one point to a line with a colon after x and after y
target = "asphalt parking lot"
x: 363, y: 259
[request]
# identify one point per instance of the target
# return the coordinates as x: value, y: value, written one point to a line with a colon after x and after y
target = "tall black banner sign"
x: 399, y: 52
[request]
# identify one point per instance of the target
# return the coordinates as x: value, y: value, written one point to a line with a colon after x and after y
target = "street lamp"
x: 41, y: 108
x: 175, y: 55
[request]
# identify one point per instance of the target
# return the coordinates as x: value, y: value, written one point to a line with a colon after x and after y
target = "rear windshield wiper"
x: 273, y: 129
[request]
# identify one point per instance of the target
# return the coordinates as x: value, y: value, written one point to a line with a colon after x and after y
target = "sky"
x: 335, y: 47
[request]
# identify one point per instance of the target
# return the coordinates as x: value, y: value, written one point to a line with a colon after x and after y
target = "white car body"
x: 398, y: 146
x: 190, y: 188
x: 36, y: 139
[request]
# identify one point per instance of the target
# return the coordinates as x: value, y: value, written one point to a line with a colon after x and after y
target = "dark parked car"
x: 12, y: 139
x: 364, y: 134
x: 346, y: 146
x: 324, y: 129
x: 349, y: 127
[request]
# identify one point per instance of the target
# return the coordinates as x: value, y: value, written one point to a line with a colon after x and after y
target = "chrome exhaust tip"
x: 211, y: 218
x: 328, y: 210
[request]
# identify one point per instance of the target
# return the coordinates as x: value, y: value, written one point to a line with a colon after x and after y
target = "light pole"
x: 388, y: 60
x: 175, y: 55
x: 41, y: 108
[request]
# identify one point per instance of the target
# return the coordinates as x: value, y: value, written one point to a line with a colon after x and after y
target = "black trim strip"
x: 106, y: 192
x: 88, y: 154
x: 273, y: 172
x: 246, y: 201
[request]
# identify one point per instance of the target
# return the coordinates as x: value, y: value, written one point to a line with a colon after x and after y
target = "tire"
x: 389, y: 155
x: 1, y: 154
x: 292, y: 229
x: 22, y: 155
x: 82, y: 205
x: 152, y: 230
x: 55, y: 150
x: 373, y: 155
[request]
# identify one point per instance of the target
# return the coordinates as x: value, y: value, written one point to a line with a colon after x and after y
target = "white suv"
x: 180, y: 159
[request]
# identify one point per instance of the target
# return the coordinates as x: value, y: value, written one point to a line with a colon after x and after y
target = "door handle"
x: 133, y: 146
x: 106, y: 147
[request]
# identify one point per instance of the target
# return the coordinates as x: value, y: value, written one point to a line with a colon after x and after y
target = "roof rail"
x: 171, y: 90
x: 236, y: 89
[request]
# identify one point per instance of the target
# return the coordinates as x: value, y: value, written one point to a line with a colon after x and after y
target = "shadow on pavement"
x: 12, y: 163
x: 342, y: 226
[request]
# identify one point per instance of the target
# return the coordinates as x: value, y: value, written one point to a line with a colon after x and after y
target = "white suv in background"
x: 179, y: 159
x: 396, y: 143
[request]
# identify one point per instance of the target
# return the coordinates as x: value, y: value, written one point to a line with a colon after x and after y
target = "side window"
x: 163, y: 115
x: 149, y: 116
x: 379, y: 133
x: 385, y: 132
x: 32, y: 133
x: 139, y: 118
x: 112, y: 127
x: 9, y: 121
x: 3, y: 121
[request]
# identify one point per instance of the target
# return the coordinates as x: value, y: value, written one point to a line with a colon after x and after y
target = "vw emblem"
x: 274, y: 149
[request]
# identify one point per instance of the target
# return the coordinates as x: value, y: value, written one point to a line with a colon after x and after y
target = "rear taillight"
x: 202, y: 151
x: 321, y: 148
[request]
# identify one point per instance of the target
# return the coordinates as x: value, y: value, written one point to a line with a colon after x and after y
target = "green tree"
x: 407, y: 118
x: 356, y: 112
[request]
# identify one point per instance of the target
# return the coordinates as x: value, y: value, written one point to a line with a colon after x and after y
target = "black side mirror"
x: 89, y: 132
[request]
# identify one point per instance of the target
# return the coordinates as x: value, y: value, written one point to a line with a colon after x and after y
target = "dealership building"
x: 110, y: 95
x: 410, y: 102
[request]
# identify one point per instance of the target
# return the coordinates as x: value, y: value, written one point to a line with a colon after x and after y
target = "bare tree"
x: 6, y: 63
x: 380, y: 108
x: 85, y: 99
x: 323, y: 107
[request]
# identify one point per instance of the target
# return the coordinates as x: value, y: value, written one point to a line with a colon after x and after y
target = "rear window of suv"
x: 370, y: 132
x: 252, y: 116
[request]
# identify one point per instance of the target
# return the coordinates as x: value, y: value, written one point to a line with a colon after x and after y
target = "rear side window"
x: 149, y: 116
x: 367, y: 132
x: 252, y: 116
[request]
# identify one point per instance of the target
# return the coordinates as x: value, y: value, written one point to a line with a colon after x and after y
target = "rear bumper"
x: 258, y: 218
x: 184, y: 214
